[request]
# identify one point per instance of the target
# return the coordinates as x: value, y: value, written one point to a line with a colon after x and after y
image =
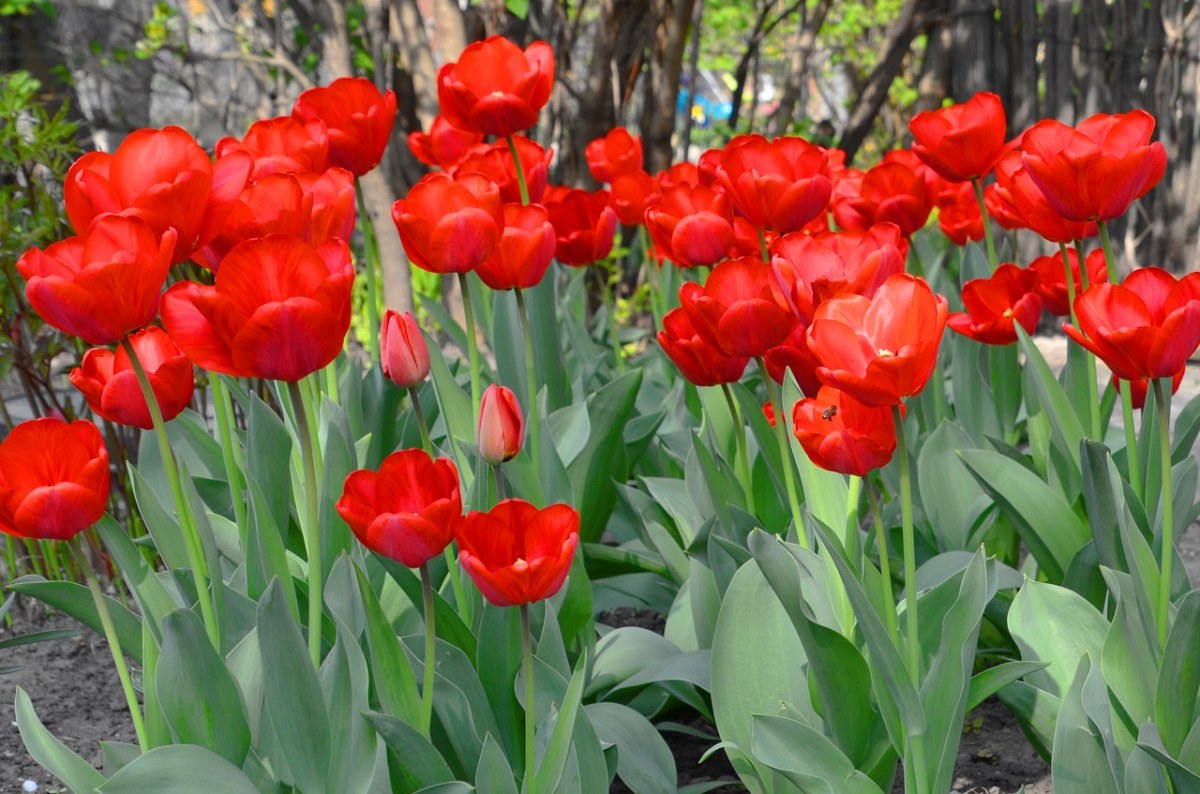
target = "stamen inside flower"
x: 884, y: 352
x: 1008, y: 313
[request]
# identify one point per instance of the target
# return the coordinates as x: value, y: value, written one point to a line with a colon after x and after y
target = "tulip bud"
x: 405, y: 357
x: 501, y: 427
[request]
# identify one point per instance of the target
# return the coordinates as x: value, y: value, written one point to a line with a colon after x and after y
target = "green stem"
x: 187, y: 523
x: 472, y: 344
x: 1162, y: 397
x: 499, y: 480
x: 422, y: 425
x: 372, y: 250
x: 1093, y: 392
x: 743, y: 459
x: 775, y: 395
x: 1110, y: 261
x: 430, y: 652
x: 762, y: 248
x: 114, y: 644
x: 311, y: 523
x: 652, y: 277
x: 987, y: 225
x: 512, y: 149
x: 1131, y: 448
x: 230, y: 450
x: 532, y: 420
x: 606, y: 298
x: 530, y: 714
x: 885, y: 565
x: 910, y: 551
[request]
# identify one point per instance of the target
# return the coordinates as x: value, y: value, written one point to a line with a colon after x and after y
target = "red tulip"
x: 692, y: 225
x: 681, y: 174
x: 793, y: 355
x: 958, y: 215
x: 1146, y: 327
x: 961, y: 142
x: 1016, y: 202
x: 1052, y: 278
x: 615, y: 153
x: 1096, y: 170
x: 700, y: 361
x: 768, y: 411
x: 584, y: 225
x: 811, y: 269
x: 1139, y: 389
x: 524, y: 252
x: 779, y: 185
x: 53, y: 479
x: 449, y: 225
x: 109, y: 383
x: 333, y: 205
x: 495, y: 88
x: 495, y: 161
x: 282, y: 145
x: 738, y: 309
x: 162, y: 177
x: 501, y: 430
x: 402, y: 349
x: 102, y: 285
x: 517, y: 554
x: 996, y: 304
x: 888, y: 193
x: 631, y: 194
x: 279, y: 308
x: 841, y: 434
x: 407, y: 509
x: 444, y: 145
x: 357, y: 118
x: 880, y: 350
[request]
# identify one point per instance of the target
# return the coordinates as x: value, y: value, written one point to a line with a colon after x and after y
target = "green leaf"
x: 76, y: 601
x: 950, y: 496
x: 1175, y: 700
x: 1064, y: 421
x: 268, y: 448
x: 494, y: 775
x: 1079, y: 764
x: 988, y: 682
x: 153, y: 599
x: 52, y: 754
x: 395, y: 684
x: 450, y: 626
x: 644, y: 761
x: 552, y: 763
x: 498, y: 662
x: 602, y: 458
x: 418, y: 762
x: 1055, y: 625
x: 806, y: 757
x: 180, y: 769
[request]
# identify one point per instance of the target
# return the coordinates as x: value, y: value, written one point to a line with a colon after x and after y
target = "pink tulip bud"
x: 402, y: 349
x: 501, y: 425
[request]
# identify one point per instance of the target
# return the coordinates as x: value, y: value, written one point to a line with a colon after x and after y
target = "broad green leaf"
x: 1130, y: 652
x: 394, y: 682
x: 268, y: 446
x: 180, y: 769
x: 1179, y: 677
x: 644, y: 761
x: 152, y: 596
x: 1078, y: 764
x: 552, y: 763
x: 450, y: 626
x: 494, y: 775
x: 151, y: 505
x: 1054, y: 625
x: 806, y: 757
x: 52, y: 754
x: 991, y: 680
x: 498, y: 662
x: 76, y: 600
x: 1186, y: 780
x: 418, y: 763
x: 623, y: 653
x: 601, y: 459
x: 1064, y: 421
x: 950, y: 496
x: 345, y: 685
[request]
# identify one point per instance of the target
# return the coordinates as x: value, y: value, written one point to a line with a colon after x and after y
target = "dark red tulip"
x: 495, y: 88
x: 109, y: 383
x: 402, y: 349
x: 407, y: 509
x: 692, y: 225
x: 450, y: 225
x: 994, y: 305
x: 517, y: 554
x: 282, y: 145
x: 701, y: 362
x: 1016, y: 202
x: 358, y: 120
x: 1145, y: 327
x: 1052, y: 278
x: 841, y: 434
x: 615, y: 153
x: 444, y: 145
x: 524, y: 252
x: 1096, y: 170
x: 53, y: 479
x: 961, y: 142
x: 279, y: 308
x: 496, y: 163
x: 779, y: 185
x: 738, y: 308
x: 584, y: 225
x: 102, y: 285
x: 888, y: 193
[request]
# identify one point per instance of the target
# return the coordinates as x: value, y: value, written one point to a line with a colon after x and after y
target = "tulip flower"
x: 692, y: 225
x: 888, y: 193
x: 615, y: 153
x: 880, y: 350
x: 165, y: 179
x: 1096, y: 170
x: 524, y: 252
x: 495, y: 87
x: 1051, y: 278
x: 994, y: 305
x: 53, y: 479
x: 109, y: 383
x: 681, y: 174
x: 282, y: 145
x: 279, y: 308
x: 495, y: 161
x: 584, y: 225
x: 1138, y: 389
x: 501, y: 430
x: 1145, y: 327
x: 962, y: 142
x: 700, y: 361
x: 358, y: 120
x: 101, y: 285
x: 841, y: 434
x: 793, y: 355
x: 407, y: 509
x: 449, y: 225
x: 738, y: 309
x: 444, y: 145
x: 631, y: 194
x: 402, y: 348
x: 517, y: 554
x: 1016, y: 202
x: 958, y: 215
x: 779, y: 185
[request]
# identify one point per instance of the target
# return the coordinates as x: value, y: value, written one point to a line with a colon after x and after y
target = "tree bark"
x: 971, y: 52
x: 665, y: 69
x: 785, y: 113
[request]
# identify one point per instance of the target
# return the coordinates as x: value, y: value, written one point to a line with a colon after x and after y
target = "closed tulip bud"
x: 403, y: 350
x: 501, y: 425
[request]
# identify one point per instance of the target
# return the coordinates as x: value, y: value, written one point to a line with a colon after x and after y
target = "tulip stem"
x: 191, y: 536
x: 910, y: 551
x: 743, y: 449
x: 311, y: 522
x: 987, y: 226
x: 427, y: 443
x: 472, y: 343
x: 607, y: 297
x: 530, y: 714
x: 422, y: 425
x: 499, y: 481
x: 1131, y: 450
x: 371, y: 271
x: 534, y: 422
x: 1162, y: 398
x: 885, y: 565
x: 775, y: 395
x: 512, y: 149
x: 762, y: 248
x: 430, y: 652
x: 1110, y: 260
x: 230, y: 451
x: 114, y: 644
x: 1093, y: 393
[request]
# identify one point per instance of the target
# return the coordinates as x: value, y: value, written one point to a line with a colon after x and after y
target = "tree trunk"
x: 665, y: 69
x: 971, y: 50
x: 408, y: 33
x: 1020, y: 26
x: 793, y: 85
x: 1058, y: 22
x: 933, y: 85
